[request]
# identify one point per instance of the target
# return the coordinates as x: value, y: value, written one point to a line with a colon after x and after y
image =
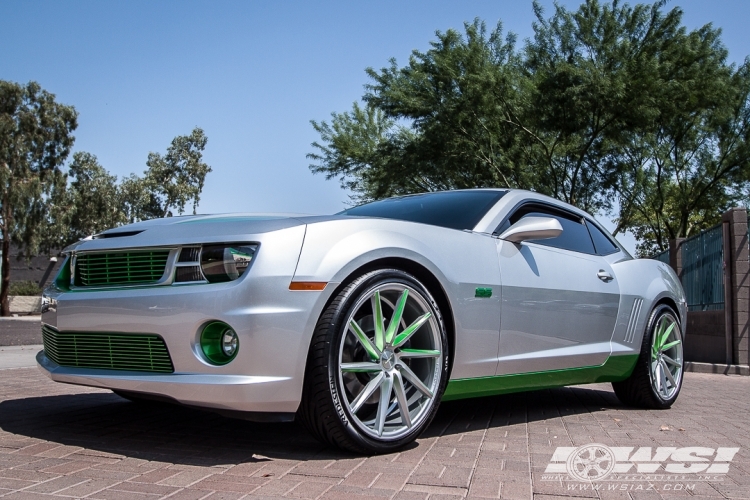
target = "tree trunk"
x: 4, y: 302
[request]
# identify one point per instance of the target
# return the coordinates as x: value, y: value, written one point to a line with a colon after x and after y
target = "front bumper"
x: 274, y: 326
x: 238, y: 393
x: 265, y: 376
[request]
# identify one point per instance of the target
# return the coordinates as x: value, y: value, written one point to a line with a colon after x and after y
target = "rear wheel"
x: 378, y: 364
x: 657, y: 377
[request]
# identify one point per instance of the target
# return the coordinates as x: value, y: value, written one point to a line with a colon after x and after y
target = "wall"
x: 722, y: 336
x: 704, y: 340
x: 33, y: 270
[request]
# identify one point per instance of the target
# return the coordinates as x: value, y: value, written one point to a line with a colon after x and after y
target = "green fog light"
x: 219, y: 343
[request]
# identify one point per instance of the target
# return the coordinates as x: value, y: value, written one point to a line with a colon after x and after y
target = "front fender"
x: 461, y: 261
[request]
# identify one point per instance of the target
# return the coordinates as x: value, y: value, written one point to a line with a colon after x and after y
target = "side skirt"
x: 616, y: 368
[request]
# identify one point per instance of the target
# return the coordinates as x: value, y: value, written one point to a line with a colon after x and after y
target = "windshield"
x: 451, y: 209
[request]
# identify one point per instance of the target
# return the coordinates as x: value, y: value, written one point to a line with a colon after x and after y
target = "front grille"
x: 109, y: 351
x: 120, y: 268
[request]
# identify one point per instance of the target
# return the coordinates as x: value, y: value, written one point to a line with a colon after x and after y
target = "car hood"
x: 190, y: 229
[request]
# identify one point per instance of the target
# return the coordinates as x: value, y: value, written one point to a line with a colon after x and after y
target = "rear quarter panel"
x: 643, y: 284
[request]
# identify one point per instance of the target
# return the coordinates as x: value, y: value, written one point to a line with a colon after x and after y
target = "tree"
x: 139, y: 202
x: 353, y: 148
x: 175, y: 179
x: 88, y: 199
x: 92, y: 203
x: 594, y: 78
x: 695, y: 162
x: 437, y: 123
x: 591, y: 111
x: 35, y: 138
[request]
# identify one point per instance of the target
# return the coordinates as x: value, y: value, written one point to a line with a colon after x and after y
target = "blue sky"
x: 251, y: 74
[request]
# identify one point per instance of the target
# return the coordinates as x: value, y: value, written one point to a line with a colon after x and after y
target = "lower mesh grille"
x: 109, y: 351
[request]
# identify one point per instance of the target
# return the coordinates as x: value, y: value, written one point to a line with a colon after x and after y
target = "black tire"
x: 322, y: 409
x: 638, y: 389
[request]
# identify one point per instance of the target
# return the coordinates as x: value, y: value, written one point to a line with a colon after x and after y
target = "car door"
x: 559, y: 298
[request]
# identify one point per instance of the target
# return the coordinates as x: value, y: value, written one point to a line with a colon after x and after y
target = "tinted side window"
x: 602, y: 243
x: 574, y: 237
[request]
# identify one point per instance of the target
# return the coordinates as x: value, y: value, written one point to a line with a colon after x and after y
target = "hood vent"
x: 116, y: 234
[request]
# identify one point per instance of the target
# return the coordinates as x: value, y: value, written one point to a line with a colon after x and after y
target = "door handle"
x: 604, y: 276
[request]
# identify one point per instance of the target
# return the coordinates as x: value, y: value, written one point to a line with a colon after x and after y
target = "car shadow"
x: 104, y: 423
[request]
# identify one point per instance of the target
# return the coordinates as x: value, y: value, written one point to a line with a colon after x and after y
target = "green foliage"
x: 695, y: 163
x: 170, y: 182
x: 90, y: 204
x: 177, y: 178
x: 24, y: 288
x: 40, y: 208
x: 593, y: 77
x: 613, y: 108
x: 35, y: 138
x: 438, y: 123
x: 353, y: 148
x: 93, y: 201
x: 138, y: 201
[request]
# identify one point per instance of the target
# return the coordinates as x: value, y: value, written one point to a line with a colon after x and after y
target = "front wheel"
x: 657, y: 377
x: 378, y: 364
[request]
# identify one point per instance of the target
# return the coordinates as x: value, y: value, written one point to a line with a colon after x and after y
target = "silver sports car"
x: 360, y: 323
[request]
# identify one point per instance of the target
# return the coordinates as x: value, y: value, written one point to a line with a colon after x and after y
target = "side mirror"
x: 532, y: 228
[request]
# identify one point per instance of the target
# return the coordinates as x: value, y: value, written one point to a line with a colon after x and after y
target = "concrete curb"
x: 31, y: 317
x: 19, y: 356
x: 719, y: 369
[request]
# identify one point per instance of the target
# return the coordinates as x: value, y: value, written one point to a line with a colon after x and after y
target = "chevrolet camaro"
x: 358, y: 324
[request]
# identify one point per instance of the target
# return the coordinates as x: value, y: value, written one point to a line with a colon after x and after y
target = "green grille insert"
x: 120, y: 268
x: 109, y: 351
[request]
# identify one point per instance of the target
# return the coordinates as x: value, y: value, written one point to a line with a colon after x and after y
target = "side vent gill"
x: 634, y: 314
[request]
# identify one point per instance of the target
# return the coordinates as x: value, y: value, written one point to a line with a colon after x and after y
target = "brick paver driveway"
x: 69, y: 441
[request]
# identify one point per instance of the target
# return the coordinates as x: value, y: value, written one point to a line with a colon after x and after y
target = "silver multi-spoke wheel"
x: 656, y: 377
x: 666, y: 357
x: 390, y: 359
x: 378, y: 364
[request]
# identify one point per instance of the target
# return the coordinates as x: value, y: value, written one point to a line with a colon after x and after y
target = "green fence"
x: 663, y: 257
x: 702, y: 270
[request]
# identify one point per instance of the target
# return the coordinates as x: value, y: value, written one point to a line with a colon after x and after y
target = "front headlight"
x: 221, y: 263
x: 214, y: 263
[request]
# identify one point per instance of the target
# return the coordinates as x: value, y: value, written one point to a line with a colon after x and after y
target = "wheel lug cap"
x: 387, y: 360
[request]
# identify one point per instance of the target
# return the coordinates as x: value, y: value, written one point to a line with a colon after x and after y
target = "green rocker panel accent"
x: 616, y: 368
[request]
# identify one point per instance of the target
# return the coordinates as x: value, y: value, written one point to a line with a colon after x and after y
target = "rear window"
x: 451, y: 209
